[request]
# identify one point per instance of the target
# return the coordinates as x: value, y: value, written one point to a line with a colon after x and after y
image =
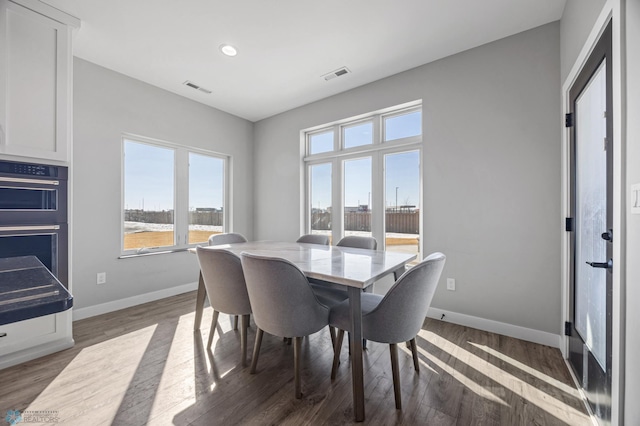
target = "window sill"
x: 153, y: 253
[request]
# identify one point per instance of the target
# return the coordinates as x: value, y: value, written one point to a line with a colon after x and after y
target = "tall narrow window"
x: 357, y: 197
x: 320, y: 198
x: 149, y: 217
x: 402, y: 201
x: 206, y: 197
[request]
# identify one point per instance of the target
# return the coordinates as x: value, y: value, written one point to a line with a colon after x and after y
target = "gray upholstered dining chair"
x: 283, y: 305
x: 228, y: 238
x: 358, y: 242
x: 227, y: 291
x: 314, y: 239
x: 396, y: 317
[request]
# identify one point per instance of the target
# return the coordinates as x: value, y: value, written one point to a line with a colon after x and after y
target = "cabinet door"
x: 34, y: 84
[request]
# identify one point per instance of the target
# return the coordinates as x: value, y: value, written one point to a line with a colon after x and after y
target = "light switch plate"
x: 635, y: 199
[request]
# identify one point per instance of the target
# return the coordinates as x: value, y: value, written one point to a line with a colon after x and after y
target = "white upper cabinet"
x: 35, y: 80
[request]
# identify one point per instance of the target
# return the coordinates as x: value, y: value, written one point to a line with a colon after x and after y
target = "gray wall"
x: 106, y: 104
x: 577, y: 22
x: 491, y: 120
x: 632, y: 383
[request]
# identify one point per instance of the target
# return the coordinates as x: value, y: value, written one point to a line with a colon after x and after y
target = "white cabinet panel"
x: 35, y: 70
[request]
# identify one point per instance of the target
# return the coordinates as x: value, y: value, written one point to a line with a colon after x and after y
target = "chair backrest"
x: 401, y: 313
x: 228, y: 238
x: 224, y: 281
x: 282, y: 301
x: 314, y: 239
x: 358, y: 242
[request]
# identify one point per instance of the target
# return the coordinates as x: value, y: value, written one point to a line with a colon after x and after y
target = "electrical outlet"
x: 102, y: 277
x: 451, y: 284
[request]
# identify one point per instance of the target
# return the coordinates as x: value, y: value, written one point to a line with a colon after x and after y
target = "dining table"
x: 353, y: 268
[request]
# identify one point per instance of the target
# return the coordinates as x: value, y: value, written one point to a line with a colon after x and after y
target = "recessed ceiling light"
x: 228, y: 50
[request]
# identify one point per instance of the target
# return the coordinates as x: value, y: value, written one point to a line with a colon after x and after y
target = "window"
x: 173, y: 196
x: 320, y: 198
x: 370, y: 175
x: 357, y: 135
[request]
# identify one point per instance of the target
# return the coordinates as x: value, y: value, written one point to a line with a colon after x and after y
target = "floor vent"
x: 195, y: 86
x: 337, y: 73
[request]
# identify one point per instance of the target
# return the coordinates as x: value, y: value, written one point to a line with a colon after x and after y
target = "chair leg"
x: 214, y: 324
x: 332, y: 333
x: 337, y: 347
x: 414, y: 352
x: 256, y: 350
x: 297, y: 348
x: 244, y: 326
x: 235, y: 322
x: 393, y: 348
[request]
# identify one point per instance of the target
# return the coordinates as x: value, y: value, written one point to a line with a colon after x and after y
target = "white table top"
x: 343, y: 265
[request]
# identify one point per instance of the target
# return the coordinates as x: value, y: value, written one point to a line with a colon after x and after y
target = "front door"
x: 591, y: 154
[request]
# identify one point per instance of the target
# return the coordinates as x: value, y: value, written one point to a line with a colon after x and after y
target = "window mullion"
x: 181, y: 191
x: 377, y: 208
x: 337, y: 199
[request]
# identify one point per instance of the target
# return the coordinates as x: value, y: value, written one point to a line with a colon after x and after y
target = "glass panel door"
x: 591, y: 215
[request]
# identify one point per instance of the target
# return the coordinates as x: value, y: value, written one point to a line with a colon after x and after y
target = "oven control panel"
x: 30, y: 169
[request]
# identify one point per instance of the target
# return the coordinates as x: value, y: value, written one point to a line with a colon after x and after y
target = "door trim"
x: 612, y: 9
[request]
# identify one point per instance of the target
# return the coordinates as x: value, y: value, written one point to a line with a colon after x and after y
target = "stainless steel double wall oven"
x: 33, y: 214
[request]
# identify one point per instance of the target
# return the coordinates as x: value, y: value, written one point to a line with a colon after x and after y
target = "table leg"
x: 202, y: 294
x: 357, y: 373
x: 398, y: 272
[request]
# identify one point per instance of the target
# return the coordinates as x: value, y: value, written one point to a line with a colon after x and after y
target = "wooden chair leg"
x: 297, y: 348
x: 244, y: 326
x: 393, y: 348
x: 235, y: 322
x: 212, y: 331
x: 256, y: 350
x: 414, y: 352
x: 337, y: 347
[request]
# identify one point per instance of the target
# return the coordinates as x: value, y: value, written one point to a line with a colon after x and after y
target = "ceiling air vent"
x: 336, y: 73
x: 195, y: 86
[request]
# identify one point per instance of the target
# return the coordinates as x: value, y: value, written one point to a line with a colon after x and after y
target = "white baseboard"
x: 522, y: 333
x: 28, y: 354
x: 116, y: 305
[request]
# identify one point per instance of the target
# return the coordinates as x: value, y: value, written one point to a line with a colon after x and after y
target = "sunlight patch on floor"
x: 514, y: 384
x: 470, y: 384
x: 532, y: 371
x: 94, y: 383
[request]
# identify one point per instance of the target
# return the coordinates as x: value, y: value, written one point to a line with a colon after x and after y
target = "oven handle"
x: 32, y: 181
x: 30, y: 228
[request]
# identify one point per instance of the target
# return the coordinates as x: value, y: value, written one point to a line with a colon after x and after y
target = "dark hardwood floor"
x: 145, y: 365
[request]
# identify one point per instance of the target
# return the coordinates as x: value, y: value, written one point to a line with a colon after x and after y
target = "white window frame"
x: 377, y: 150
x: 180, y: 191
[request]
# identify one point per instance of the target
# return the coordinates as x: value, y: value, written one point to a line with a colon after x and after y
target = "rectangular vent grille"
x: 337, y: 73
x: 195, y: 86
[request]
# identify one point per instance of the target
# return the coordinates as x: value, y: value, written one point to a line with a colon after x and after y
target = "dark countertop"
x: 29, y: 290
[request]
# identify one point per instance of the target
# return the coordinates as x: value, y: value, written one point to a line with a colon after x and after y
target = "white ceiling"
x: 285, y: 46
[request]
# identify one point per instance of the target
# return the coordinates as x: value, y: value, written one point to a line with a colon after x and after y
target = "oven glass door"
x: 16, y: 198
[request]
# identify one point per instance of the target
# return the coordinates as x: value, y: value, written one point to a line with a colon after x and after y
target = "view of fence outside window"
x: 369, y: 170
x: 173, y: 197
